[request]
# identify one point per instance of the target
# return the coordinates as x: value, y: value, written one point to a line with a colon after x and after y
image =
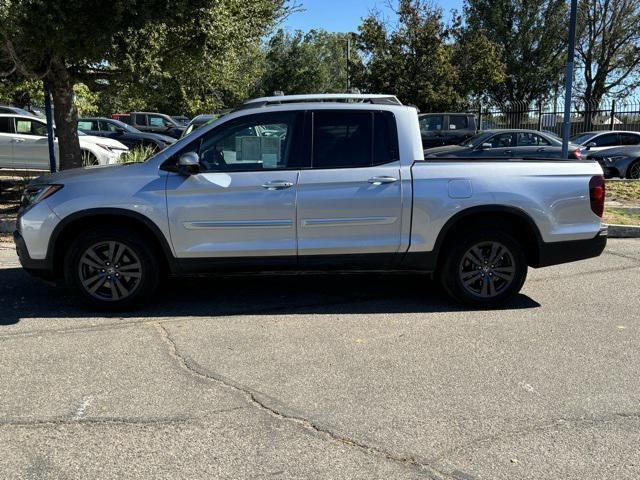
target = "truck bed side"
x: 553, y: 194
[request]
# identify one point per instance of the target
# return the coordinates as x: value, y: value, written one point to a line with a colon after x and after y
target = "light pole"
x: 348, y: 62
x: 569, y: 80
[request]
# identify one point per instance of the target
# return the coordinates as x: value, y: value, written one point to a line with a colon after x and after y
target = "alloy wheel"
x: 487, y: 269
x: 110, y: 271
x: 634, y: 171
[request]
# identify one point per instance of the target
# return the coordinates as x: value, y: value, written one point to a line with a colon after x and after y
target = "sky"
x: 346, y: 15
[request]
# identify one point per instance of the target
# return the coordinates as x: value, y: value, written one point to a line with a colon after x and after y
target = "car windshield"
x: 124, y: 126
x: 477, y: 139
x: 581, y: 138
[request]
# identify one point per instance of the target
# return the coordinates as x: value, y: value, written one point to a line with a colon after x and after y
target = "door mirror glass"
x: 189, y: 163
x: 591, y: 145
x: 486, y: 145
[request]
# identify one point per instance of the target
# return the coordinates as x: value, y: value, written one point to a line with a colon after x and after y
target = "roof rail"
x: 377, y: 99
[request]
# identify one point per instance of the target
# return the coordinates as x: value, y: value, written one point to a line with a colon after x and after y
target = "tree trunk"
x: 66, y: 115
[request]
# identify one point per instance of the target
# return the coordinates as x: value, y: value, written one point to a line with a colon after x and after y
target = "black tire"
x: 125, y: 284
x: 487, y: 286
x: 633, y: 170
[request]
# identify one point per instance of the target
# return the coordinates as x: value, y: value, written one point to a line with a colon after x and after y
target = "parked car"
x: 126, y: 134
x: 15, y: 110
x: 507, y: 144
x: 311, y: 182
x: 592, y: 142
x: 24, y: 145
x: 198, y: 122
x: 181, y: 120
x: 438, y: 129
x: 151, y: 122
x: 623, y: 162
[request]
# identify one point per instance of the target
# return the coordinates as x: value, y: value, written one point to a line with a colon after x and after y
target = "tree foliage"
x: 531, y: 38
x: 425, y: 62
x: 149, y: 43
x: 313, y: 62
x: 608, y: 48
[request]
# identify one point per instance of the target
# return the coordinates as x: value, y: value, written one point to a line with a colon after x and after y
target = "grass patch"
x: 138, y: 154
x: 625, y: 191
x: 621, y: 216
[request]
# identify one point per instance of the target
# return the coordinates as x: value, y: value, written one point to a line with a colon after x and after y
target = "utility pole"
x: 51, y: 140
x: 569, y: 80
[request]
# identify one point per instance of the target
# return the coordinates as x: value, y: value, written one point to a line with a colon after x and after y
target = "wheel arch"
x: 71, y: 225
x: 515, y: 220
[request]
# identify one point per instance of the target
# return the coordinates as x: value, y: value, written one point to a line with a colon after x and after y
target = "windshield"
x: 124, y: 126
x: 581, y: 138
x: 477, y: 139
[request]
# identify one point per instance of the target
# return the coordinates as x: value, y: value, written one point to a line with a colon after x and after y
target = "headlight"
x: 34, y: 194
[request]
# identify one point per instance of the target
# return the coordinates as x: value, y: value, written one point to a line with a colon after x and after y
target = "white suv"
x: 24, y: 145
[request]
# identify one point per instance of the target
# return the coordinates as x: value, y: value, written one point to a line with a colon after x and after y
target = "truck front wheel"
x: 484, y: 268
x: 112, y: 268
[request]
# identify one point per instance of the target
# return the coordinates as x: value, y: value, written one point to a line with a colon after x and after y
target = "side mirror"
x: 486, y: 145
x: 591, y: 145
x: 189, y: 164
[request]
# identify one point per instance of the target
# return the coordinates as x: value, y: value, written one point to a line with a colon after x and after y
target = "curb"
x: 7, y: 226
x: 623, y: 231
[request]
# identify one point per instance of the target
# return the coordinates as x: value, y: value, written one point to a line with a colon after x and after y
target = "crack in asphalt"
x: 253, y: 397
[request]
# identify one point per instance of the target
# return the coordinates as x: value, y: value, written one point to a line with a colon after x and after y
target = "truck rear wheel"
x: 484, y: 268
x: 111, y: 268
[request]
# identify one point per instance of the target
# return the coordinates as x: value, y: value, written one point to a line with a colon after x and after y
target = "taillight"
x: 597, y: 194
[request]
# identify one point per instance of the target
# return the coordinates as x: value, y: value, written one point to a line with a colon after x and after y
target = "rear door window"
x: 528, y: 139
x: 629, y: 139
x: 458, y: 122
x: 385, y: 138
x: 342, y: 139
x: 608, y: 140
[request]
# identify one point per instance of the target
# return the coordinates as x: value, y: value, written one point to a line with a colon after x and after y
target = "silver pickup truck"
x: 303, y: 183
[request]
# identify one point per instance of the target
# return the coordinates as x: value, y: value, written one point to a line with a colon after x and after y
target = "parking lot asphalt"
x: 326, y: 377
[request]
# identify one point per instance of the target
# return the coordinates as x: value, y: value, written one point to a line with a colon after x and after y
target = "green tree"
x: 608, y: 49
x: 21, y: 92
x: 531, y: 39
x: 313, y: 62
x: 425, y: 62
x: 64, y: 42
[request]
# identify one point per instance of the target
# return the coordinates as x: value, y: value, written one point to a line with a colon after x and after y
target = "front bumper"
x: 554, y: 253
x: 39, y: 268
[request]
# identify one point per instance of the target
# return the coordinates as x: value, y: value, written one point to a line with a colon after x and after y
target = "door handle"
x: 540, y: 149
x: 508, y: 152
x: 277, y: 185
x: 18, y: 140
x: 381, y: 180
